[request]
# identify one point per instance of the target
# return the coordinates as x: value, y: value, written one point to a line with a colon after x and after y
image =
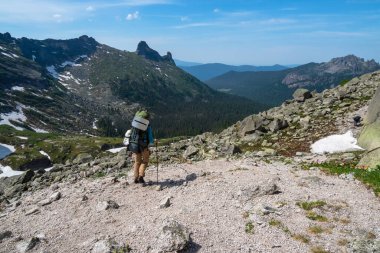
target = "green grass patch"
x: 316, y: 217
x: 316, y: 230
x: 249, y: 228
x: 274, y: 222
x: 370, y: 177
x: 301, y: 238
x: 60, y: 148
x: 311, y: 205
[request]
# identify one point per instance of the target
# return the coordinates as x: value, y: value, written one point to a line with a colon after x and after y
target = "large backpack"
x: 138, y: 140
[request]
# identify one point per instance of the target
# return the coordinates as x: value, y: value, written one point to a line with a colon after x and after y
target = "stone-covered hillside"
x: 290, y: 128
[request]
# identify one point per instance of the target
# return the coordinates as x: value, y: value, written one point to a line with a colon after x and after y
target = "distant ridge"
x: 208, y: 71
x: 274, y: 87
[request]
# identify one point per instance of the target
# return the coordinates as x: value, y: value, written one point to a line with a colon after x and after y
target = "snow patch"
x: 116, y: 150
x: 3, y: 48
x: 8, y: 55
x: 38, y: 130
x: 49, y: 169
x: 18, y: 88
x: 18, y: 116
x: 9, y: 172
x: 69, y: 63
x: 45, y: 154
x: 336, y: 144
x: 94, y: 124
x: 20, y: 137
x: 52, y: 71
x: 34, y: 58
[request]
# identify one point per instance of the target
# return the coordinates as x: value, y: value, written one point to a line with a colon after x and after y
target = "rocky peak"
x: 150, y: 54
x: 349, y: 63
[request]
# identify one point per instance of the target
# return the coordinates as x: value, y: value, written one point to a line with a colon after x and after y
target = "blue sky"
x: 258, y: 32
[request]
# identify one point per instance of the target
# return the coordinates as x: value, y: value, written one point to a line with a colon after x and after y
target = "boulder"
x: 249, y: 192
x: 231, y: 150
x: 301, y: 94
x: 190, y: 151
x: 173, y: 237
x: 83, y: 158
x: 24, y: 178
x: 370, y: 136
x: 277, y: 124
x: 250, y: 124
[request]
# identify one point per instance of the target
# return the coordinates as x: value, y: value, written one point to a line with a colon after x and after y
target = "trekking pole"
x: 156, y: 142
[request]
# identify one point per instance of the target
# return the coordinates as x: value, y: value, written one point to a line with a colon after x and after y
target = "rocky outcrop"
x: 145, y: 51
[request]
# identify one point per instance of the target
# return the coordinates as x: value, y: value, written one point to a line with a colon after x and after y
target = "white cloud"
x: 277, y: 21
x: 90, y: 8
x: 216, y: 10
x: 132, y: 16
x: 200, y: 24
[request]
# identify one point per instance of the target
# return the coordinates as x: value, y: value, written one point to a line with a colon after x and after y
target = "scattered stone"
x: 5, y: 234
x: 105, y: 205
x: 173, y: 237
x: 158, y: 187
x: 33, y: 211
x: 55, y: 196
x: 84, y: 198
x: 24, y: 178
x: 27, y: 245
x: 165, y: 202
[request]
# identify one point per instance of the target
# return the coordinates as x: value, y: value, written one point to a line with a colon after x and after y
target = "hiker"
x: 140, y: 137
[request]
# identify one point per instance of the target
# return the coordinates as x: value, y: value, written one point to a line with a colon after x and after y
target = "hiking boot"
x: 141, y: 180
x: 136, y: 181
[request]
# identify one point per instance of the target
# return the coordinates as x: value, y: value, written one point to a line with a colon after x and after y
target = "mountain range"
x: 274, y: 87
x: 80, y: 85
x: 208, y: 71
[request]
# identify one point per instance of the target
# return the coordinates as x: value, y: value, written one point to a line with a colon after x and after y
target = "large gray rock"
x: 173, y: 237
x: 250, y: 124
x: 370, y: 136
x: 277, y: 124
x: 24, y: 178
x: 190, y: 151
x: 249, y: 192
x: 301, y: 94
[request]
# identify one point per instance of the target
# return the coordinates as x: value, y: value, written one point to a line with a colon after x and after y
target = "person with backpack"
x: 139, y: 139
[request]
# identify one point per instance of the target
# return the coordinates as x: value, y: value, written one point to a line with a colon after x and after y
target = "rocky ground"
x: 223, y: 205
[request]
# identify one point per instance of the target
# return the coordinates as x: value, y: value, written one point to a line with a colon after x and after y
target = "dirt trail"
x: 208, y: 198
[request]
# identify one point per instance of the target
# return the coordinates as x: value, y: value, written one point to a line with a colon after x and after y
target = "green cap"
x: 142, y: 114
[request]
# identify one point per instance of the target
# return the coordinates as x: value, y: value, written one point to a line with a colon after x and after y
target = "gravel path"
x: 213, y: 203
